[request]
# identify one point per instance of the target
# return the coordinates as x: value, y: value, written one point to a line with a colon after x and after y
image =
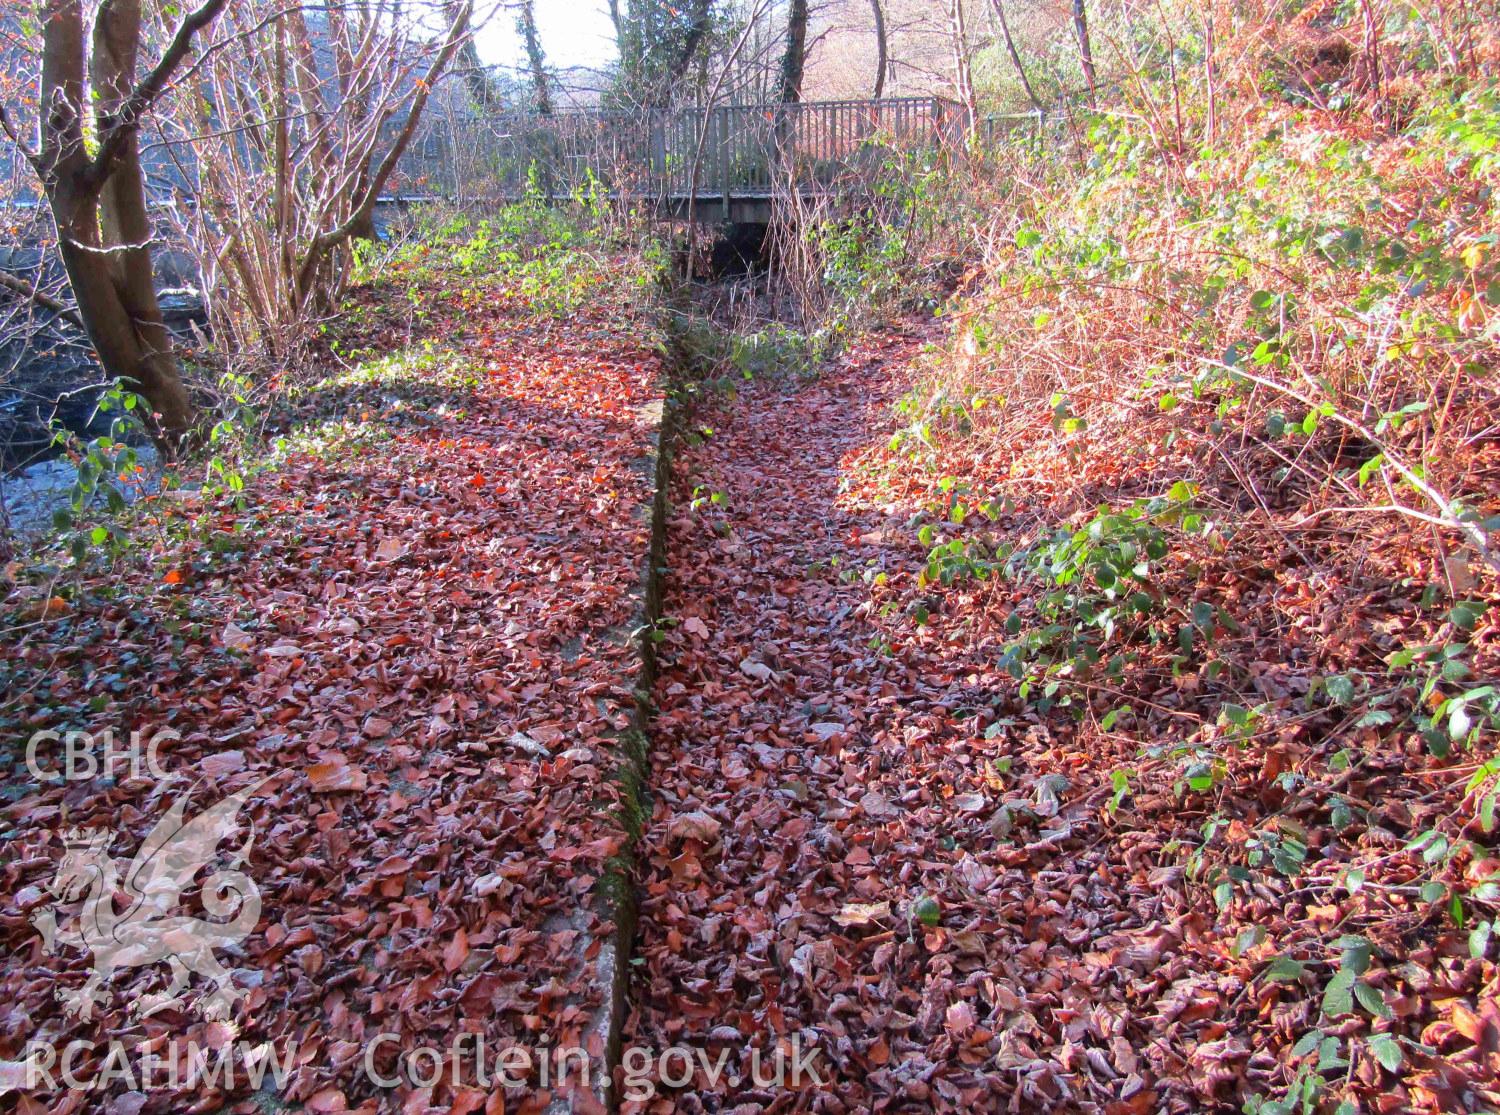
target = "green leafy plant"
x: 104, y: 467
x: 1099, y: 585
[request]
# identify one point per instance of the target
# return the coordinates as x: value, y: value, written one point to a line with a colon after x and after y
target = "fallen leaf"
x: 235, y: 638
x: 757, y: 670
x: 456, y: 951
x: 959, y: 1018
x: 333, y: 775
x: 694, y: 826
x: 390, y: 549
x: 327, y: 1101
x: 221, y: 764
x: 970, y: 803
x: 877, y: 806
x: 857, y: 914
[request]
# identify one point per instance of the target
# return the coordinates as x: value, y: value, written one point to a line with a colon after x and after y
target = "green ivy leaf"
x: 1307, y: 1043
x: 1340, y: 689
x: 1237, y: 715
x: 1248, y: 939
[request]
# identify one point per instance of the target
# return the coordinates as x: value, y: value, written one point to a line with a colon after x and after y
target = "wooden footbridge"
x: 720, y: 164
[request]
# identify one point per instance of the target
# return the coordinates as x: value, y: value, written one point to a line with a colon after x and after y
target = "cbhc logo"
x: 85, y: 755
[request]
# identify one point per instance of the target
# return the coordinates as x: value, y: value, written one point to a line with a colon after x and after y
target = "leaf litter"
x: 944, y: 893
x: 419, y: 638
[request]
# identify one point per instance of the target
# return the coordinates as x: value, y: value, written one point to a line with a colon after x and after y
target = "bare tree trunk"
x: 614, y: 18
x: 536, y: 61
x: 882, y: 49
x: 124, y: 222
x: 482, y: 92
x: 1210, y: 78
x: 699, y: 12
x: 1374, y: 76
x: 963, y: 81
x: 98, y: 202
x: 998, y: 6
x: 1085, y: 48
x: 794, y: 58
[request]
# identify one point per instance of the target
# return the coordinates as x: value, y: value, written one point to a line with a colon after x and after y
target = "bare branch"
x: 18, y: 285
x: 1449, y: 516
x: 377, y: 181
x: 8, y: 126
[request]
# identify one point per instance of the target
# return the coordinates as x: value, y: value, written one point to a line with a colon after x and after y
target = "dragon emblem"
x: 147, y: 932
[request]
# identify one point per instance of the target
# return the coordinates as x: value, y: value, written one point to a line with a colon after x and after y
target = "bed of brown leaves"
x: 418, y: 644
x: 867, y: 846
x: 874, y: 878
